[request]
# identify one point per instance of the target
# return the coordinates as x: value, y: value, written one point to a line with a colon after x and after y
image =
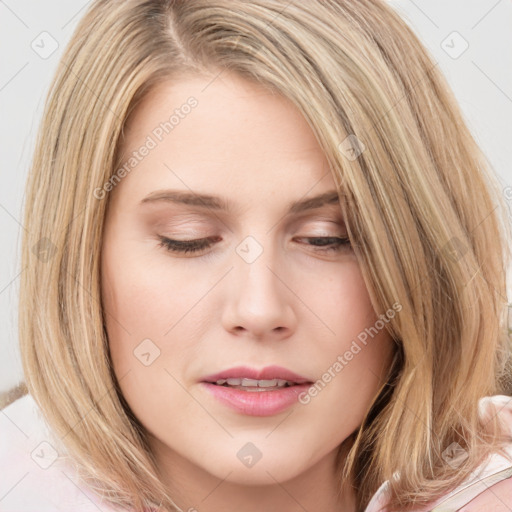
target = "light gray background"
x: 481, y: 77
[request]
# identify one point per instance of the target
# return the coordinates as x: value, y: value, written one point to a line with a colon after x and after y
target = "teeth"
x: 271, y: 383
x: 253, y: 383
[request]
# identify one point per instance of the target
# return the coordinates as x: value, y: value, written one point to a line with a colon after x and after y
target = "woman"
x: 264, y: 270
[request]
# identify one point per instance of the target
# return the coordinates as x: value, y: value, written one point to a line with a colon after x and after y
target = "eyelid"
x: 337, y: 223
x: 176, y: 220
x: 187, y: 228
x: 197, y: 225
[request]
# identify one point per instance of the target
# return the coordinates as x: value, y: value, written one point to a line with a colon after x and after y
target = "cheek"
x: 366, y: 346
x: 148, y: 302
x: 355, y: 348
x: 134, y: 302
x: 140, y: 306
x: 341, y: 302
x: 142, y: 298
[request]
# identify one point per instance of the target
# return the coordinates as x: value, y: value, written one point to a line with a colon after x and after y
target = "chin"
x: 262, y: 474
x: 267, y: 464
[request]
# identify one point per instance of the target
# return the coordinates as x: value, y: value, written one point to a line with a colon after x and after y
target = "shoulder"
x: 40, y: 477
x: 497, y: 498
x: 489, y: 488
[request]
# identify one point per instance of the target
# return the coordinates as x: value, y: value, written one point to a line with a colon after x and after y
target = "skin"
x: 496, y: 498
x: 294, y: 306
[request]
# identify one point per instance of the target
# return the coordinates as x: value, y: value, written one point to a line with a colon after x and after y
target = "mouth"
x: 254, y: 385
x: 250, y: 379
x: 256, y: 392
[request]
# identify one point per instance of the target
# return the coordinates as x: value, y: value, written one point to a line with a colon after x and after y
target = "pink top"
x: 487, y: 489
x: 38, y: 477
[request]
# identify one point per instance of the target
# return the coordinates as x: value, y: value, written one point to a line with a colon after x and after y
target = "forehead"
x: 228, y: 109
x: 237, y: 136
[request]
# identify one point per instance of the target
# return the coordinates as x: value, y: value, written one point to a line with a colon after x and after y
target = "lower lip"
x: 257, y: 403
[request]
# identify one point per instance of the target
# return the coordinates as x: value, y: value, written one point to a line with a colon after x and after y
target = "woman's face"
x: 277, y: 294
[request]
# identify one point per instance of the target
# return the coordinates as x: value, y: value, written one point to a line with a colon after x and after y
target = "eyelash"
x: 193, y: 246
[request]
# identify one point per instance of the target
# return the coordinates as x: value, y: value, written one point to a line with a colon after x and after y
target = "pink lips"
x: 267, y: 373
x: 257, y: 403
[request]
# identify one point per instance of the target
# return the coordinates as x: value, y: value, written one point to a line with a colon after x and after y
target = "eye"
x: 320, y: 244
x: 186, y: 246
x: 328, y: 243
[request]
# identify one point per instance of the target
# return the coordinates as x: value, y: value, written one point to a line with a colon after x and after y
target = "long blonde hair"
x: 422, y: 207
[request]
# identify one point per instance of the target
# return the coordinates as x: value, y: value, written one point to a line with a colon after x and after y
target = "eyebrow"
x: 221, y: 204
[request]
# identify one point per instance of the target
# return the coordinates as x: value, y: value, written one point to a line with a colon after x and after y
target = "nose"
x: 260, y: 299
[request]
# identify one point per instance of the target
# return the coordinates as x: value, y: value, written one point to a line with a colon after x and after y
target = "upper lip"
x: 267, y: 373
